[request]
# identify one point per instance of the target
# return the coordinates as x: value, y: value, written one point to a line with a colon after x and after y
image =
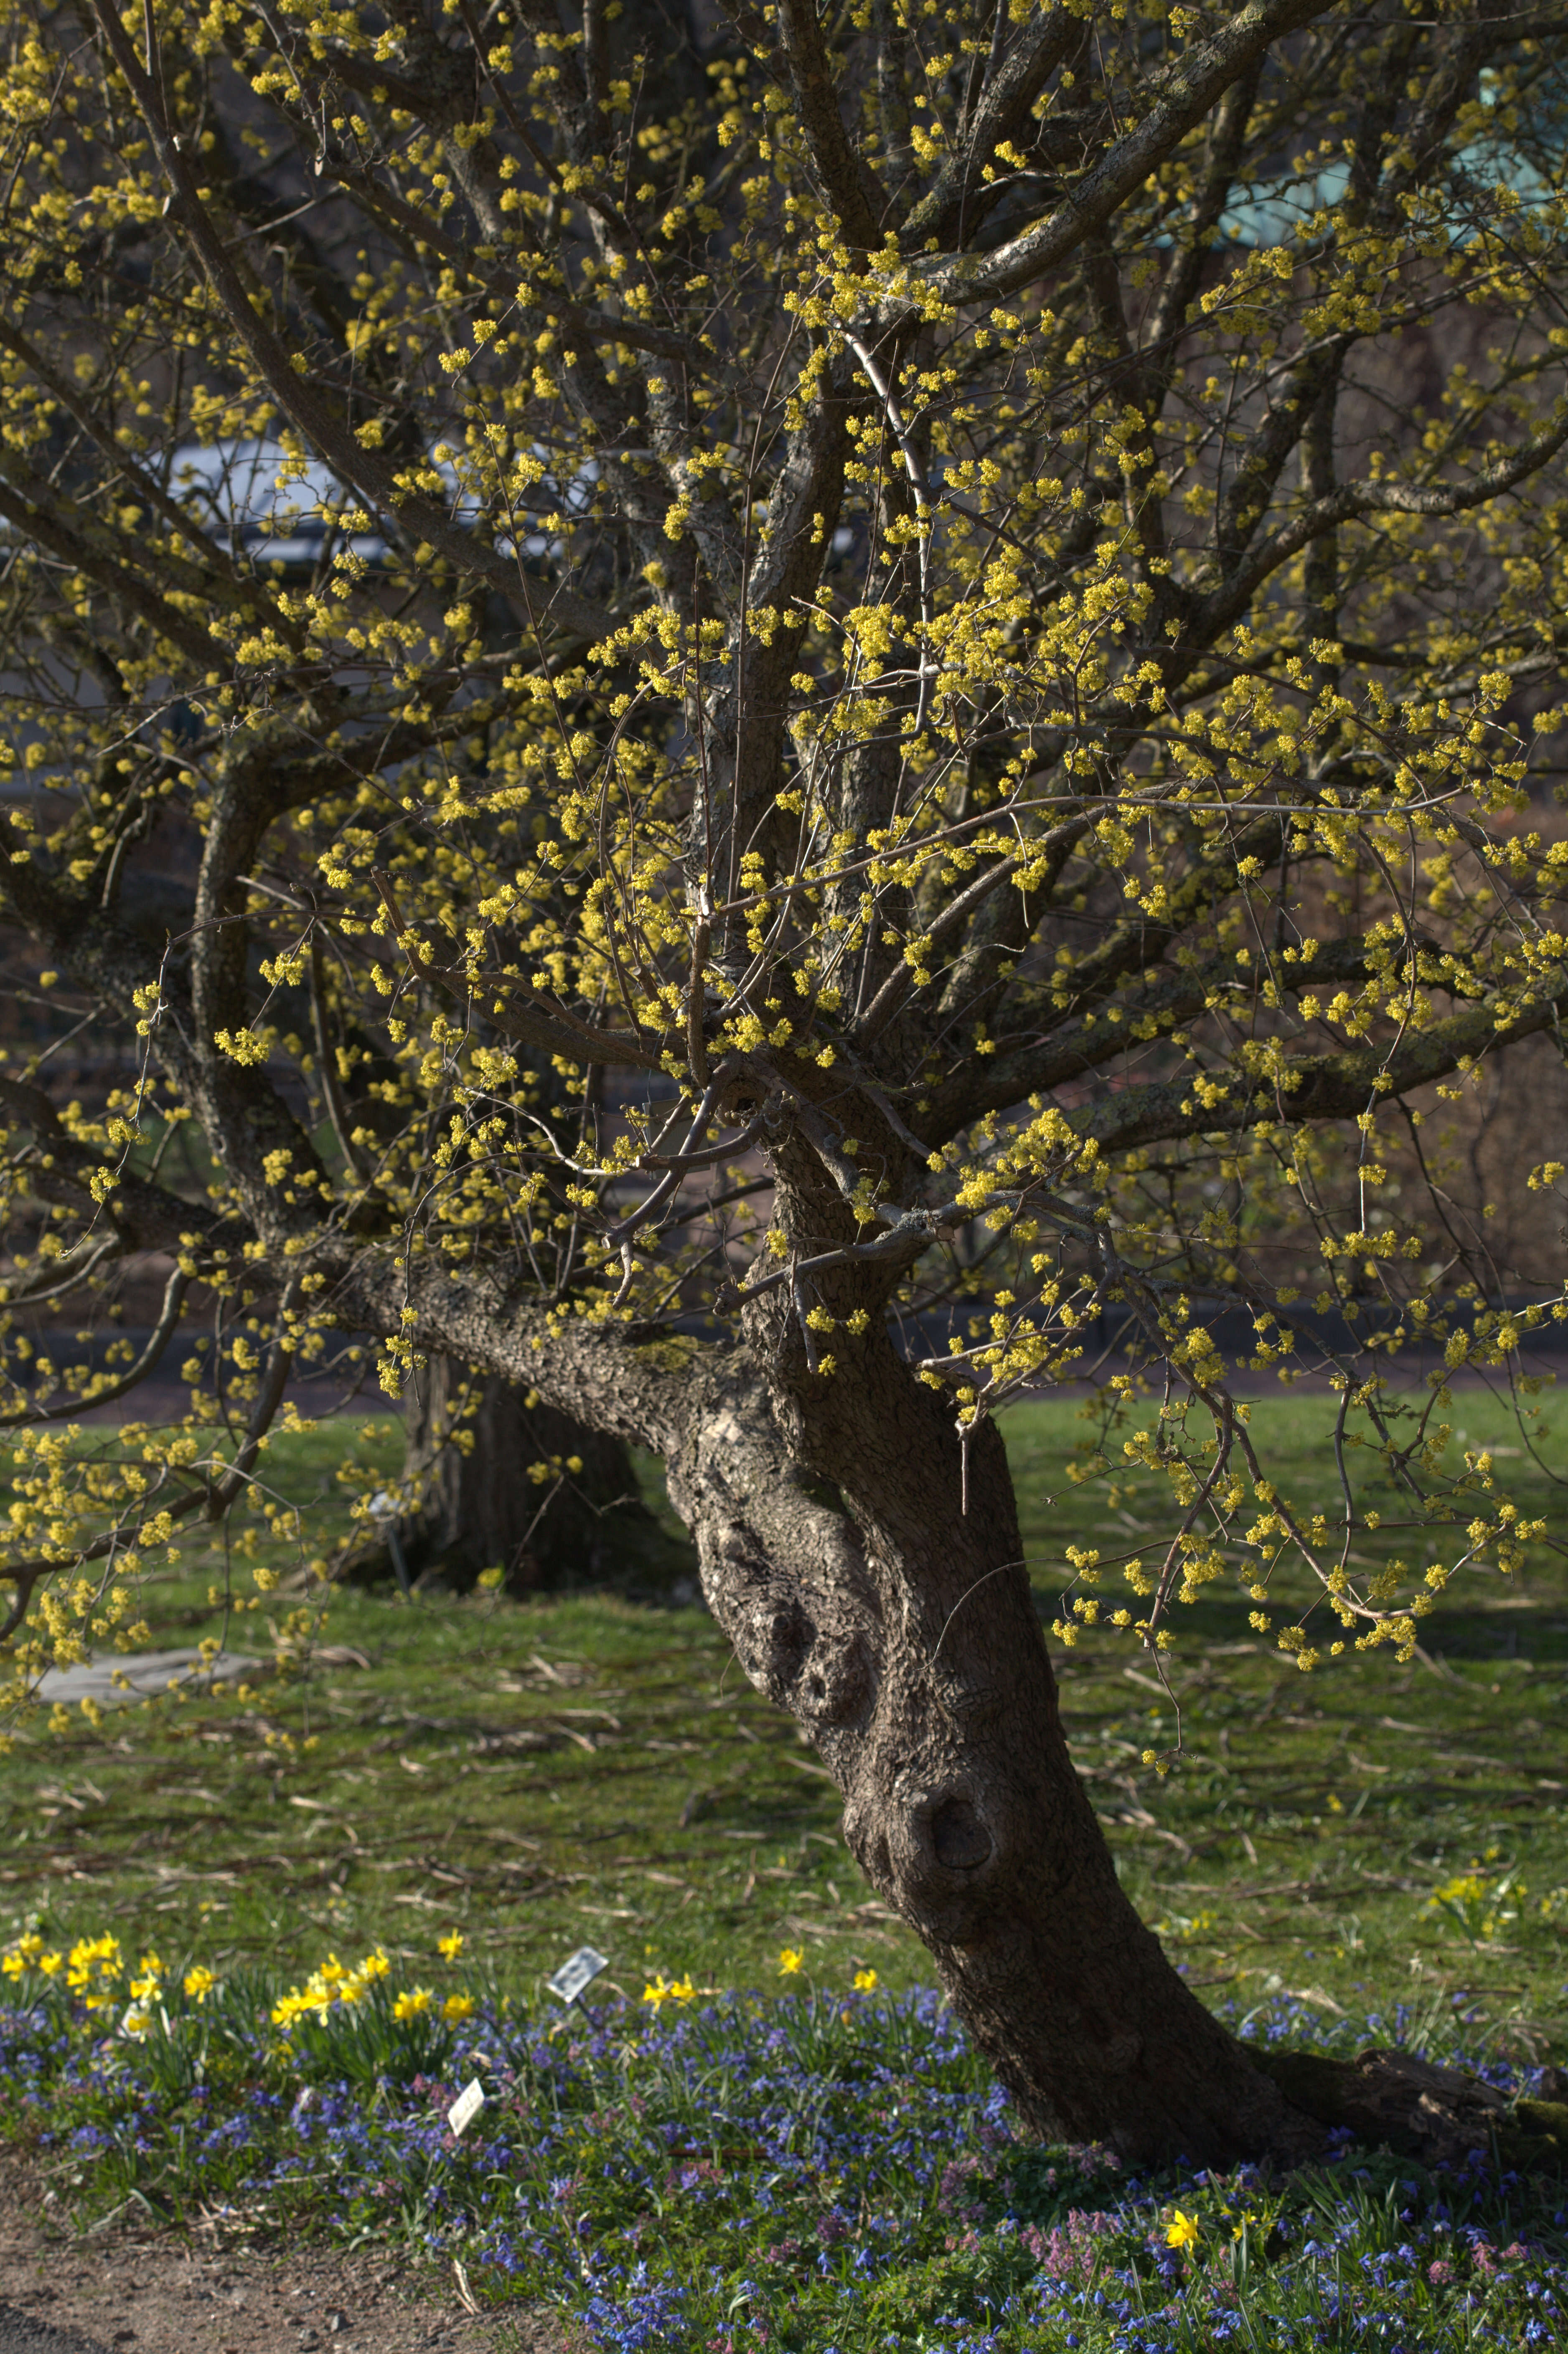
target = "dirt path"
x: 124, y: 2292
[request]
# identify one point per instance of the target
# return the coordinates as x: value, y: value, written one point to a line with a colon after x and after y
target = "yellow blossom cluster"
x: 331, y: 1986
x: 95, y: 1973
x: 901, y: 674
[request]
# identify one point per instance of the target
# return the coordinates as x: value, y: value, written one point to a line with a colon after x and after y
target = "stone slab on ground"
x: 147, y: 1676
x: 162, y: 2292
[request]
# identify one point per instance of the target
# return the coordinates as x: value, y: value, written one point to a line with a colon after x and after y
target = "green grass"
x: 580, y: 1767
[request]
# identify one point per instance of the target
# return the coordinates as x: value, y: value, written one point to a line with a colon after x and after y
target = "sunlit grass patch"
x: 578, y: 1767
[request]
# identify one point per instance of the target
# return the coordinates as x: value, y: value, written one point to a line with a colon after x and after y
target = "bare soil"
x: 120, y: 2290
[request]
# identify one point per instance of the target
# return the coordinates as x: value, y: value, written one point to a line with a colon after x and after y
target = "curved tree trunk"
x: 827, y: 1500
x: 899, y: 1629
x: 902, y: 1633
x: 499, y: 1482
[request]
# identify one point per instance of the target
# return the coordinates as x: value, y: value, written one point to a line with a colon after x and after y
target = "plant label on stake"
x: 466, y: 2106
x: 383, y: 1514
x: 578, y: 1972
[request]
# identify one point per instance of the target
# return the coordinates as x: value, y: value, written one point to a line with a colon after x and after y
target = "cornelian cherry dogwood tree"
x: 827, y: 702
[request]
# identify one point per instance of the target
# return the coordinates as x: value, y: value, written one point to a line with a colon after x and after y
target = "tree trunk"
x: 901, y: 1631
x: 828, y: 1504
x: 499, y: 1482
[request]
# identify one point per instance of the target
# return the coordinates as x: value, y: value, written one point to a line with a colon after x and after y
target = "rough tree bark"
x: 900, y: 1631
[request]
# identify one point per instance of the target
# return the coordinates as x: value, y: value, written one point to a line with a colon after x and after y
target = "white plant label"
x: 577, y: 1971
x: 466, y: 2106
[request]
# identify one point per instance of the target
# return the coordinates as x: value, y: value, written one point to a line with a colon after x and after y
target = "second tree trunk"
x: 500, y: 1483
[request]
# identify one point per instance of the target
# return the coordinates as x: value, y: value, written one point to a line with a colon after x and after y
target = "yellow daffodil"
x: 90, y: 1953
x: 457, y: 2007
x: 410, y: 2004
x: 1182, y: 2231
x: 89, y: 1956
x: 866, y: 1981
x: 199, y: 1982
x: 790, y: 1961
x: 450, y: 1946
x: 335, y: 1986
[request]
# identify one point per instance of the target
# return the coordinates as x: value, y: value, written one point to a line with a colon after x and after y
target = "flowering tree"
x: 824, y: 703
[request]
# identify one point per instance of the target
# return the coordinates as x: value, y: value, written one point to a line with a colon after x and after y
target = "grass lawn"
x: 577, y: 1767
x: 823, y: 2168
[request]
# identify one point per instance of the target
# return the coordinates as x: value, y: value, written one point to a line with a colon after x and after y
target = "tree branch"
x: 1321, y: 1086
x: 846, y: 178
x: 43, y: 524
x: 1353, y: 500
x: 301, y: 402
x: 1076, y: 1047
x: 163, y: 1332
x: 1004, y: 109
x: 1187, y: 91
x: 1053, y: 847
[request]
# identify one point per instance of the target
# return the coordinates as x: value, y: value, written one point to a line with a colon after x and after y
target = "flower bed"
x: 820, y: 2169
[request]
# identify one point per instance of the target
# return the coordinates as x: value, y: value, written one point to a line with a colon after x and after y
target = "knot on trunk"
x: 960, y: 1840
x: 822, y: 1674
x: 935, y: 1850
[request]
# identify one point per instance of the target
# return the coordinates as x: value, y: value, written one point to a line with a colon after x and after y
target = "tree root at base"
x: 1437, y: 2115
